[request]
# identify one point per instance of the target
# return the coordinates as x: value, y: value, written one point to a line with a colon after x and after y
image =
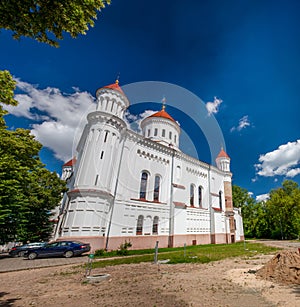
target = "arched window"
x: 220, y: 199
x: 155, y: 226
x: 156, y: 188
x: 200, y: 196
x: 192, y: 194
x: 139, y: 225
x: 143, y: 187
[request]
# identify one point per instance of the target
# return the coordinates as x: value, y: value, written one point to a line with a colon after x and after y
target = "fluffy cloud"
x: 243, y: 123
x: 134, y: 121
x: 284, y: 161
x: 262, y: 197
x: 58, y: 115
x: 213, y: 107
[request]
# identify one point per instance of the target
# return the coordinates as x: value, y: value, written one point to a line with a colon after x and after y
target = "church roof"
x: 222, y: 154
x: 115, y: 86
x: 70, y: 162
x: 164, y: 114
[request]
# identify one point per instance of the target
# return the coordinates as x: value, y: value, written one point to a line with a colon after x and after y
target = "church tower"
x: 223, y: 164
x: 99, y: 146
x: 95, y: 175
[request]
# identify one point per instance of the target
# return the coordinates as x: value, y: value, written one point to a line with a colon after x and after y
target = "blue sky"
x: 245, y: 53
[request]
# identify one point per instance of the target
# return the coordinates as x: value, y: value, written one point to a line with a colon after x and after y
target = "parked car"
x: 60, y: 248
x: 19, y: 251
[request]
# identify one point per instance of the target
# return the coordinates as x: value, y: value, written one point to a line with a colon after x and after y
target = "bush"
x: 99, y: 252
x: 123, y: 249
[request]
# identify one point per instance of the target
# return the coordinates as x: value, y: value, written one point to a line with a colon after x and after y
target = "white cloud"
x: 283, y: 161
x: 213, y: 107
x: 58, y: 115
x: 262, y: 197
x: 134, y: 121
x: 243, y: 123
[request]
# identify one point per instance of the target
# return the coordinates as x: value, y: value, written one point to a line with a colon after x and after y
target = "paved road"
x: 285, y: 244
x: 9, y: 264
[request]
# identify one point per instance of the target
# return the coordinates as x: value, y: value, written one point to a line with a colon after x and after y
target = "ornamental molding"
x: 97, y: 117
x: 88, y: 192
x: 198, y: 173
x: 147, y: 143
x: 153, y: 157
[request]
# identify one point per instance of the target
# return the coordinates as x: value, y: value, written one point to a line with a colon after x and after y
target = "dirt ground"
x: 230, y: 282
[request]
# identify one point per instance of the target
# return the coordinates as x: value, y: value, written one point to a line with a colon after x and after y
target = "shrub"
x: 99, y: 252
x: 123, y: 249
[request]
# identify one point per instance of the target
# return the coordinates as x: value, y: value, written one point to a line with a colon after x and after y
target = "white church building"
x: 125, y: 186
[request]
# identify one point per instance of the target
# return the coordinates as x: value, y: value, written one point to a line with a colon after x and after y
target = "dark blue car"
x: 60, y: 248
x: 20, y: 250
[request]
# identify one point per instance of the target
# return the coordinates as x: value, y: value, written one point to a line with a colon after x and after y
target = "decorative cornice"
x: 152, y: 157
x: 88, y: 192
x: 148, y: 201
x: 196, y: 172
x: 107, y: 118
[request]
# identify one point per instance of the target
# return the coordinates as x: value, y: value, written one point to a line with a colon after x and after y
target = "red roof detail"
x: 163, y: 114
x: 222, y: 154
x: 71, y: 162
x: 115, y: 86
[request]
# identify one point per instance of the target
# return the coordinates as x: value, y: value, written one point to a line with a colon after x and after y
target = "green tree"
x: 28, y: 191
x: 7, y: 87
x: 254, y: 213
x: 45, y: 21
x: 284, y: 211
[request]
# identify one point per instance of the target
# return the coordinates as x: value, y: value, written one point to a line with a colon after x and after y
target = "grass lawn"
x: 190, y: 254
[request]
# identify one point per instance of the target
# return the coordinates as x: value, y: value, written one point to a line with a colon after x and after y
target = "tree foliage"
x: 7, y: 87
x: 28, y: 191
x: 45, y: 21
x: 253, y: 213
x: 284, y: 211
x: 276, y: 218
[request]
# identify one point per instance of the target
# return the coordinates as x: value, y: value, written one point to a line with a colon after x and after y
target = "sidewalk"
x: 9, y: 264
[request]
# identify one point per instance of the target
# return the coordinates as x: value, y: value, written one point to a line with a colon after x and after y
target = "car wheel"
x: 69, y: 254
x: 21, y: 254
x: 32, y: 256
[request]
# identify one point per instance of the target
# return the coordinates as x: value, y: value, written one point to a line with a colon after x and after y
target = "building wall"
x: 105, y: 205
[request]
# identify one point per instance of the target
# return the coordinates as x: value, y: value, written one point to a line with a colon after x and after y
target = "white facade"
x: 142, y: 188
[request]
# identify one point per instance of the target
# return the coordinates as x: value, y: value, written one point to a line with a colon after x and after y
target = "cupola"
x: 223, y: 161
x: 162, y: 128
x: 111, y: 99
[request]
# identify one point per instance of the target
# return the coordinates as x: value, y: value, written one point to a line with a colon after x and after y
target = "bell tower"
x: 90, y: 198
x: 223, y: 164
x: 99, y: 147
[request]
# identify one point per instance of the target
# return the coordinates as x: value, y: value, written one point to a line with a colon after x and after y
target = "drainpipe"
x: 171, y: 215
x: 114, y: 195
x: 211, y: 213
